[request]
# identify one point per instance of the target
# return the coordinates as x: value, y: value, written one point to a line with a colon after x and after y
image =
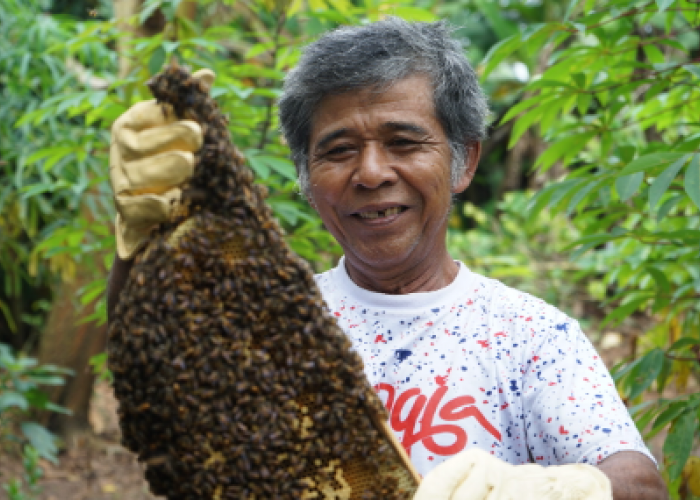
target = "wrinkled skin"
x: 376, y: 151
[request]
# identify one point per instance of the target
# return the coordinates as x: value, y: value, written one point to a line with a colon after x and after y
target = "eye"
x: 403, y: 143
x: 338, y: 152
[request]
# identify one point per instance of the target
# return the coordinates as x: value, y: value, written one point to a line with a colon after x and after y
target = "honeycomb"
x: 233, y: 380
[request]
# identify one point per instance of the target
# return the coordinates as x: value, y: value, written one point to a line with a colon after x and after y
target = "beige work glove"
x: 477, y: 475
x: 151, y: 154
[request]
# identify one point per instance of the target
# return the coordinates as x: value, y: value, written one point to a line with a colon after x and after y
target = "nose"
x: 374, y: 168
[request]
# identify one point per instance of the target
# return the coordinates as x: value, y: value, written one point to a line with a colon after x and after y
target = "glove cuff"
x: 129, y: 242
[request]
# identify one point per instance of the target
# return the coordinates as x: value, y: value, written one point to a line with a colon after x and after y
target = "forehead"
x: 409, y: 100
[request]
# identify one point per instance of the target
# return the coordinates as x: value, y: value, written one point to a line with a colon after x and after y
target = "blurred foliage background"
x: 588, y: 193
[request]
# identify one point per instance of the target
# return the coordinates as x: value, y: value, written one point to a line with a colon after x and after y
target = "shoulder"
x: 505, y: 308
x: 324, y: 280
x: 506, y: 299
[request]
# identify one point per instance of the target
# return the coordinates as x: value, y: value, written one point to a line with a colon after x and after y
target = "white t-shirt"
x: 479, y: 364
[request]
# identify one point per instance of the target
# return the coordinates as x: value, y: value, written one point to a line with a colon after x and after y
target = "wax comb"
x: 233, y: 380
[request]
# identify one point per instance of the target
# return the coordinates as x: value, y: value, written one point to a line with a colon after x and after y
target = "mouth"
x: 379, y: 214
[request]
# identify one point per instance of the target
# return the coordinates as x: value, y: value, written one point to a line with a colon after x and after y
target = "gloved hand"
x: 477, y: 475
x: 151, y: 154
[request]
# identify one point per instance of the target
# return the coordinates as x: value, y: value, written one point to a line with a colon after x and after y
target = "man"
x: 384, y: 122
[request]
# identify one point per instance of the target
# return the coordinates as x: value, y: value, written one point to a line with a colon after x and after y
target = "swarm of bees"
x: 233, y: 380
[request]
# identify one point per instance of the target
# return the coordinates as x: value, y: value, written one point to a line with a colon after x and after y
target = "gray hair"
x: 375, y: 56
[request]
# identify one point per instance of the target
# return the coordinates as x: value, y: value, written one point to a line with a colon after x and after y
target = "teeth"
x: 383, y: 213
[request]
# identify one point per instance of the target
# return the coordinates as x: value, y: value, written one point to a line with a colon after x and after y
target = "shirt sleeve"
x: 573, y: 413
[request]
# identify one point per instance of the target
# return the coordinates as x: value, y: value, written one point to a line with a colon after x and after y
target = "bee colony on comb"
x: 233, y: 380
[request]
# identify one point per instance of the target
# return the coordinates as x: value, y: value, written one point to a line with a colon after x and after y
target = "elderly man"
x: 384, y: 122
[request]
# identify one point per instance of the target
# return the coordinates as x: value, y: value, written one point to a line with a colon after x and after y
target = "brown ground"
x: 97, y: 467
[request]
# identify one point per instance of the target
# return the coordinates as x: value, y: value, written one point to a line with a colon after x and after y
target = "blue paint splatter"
x: 402, y: 354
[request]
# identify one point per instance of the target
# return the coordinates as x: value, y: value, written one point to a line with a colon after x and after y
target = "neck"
x: 427, y: 275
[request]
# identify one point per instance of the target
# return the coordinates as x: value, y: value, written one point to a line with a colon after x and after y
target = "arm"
x: 633, y: 476
x: 115, y: 283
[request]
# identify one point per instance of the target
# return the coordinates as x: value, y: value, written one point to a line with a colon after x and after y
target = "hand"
x: 477, y: 475
x: 152, y: 153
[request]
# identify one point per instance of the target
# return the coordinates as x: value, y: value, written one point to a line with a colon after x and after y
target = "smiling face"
x: 379, y: 175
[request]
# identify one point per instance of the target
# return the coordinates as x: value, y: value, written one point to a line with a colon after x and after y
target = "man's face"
x: 379, y: 174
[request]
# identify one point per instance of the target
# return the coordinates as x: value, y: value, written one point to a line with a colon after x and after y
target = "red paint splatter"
x: 562, y: 430
x: 337, y: 314
x: 441, y: 380
x: 379, y: 338
x: 483, y: 343
x: 535, y: 358
x: 500, y: 334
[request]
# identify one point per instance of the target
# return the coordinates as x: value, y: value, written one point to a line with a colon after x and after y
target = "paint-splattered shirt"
x: 479, y: 364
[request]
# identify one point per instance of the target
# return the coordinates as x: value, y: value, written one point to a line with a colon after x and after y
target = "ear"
x: 471, y: 161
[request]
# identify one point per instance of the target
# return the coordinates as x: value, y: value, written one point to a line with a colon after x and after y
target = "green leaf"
x: 628, y: 185
x: 684, y: 342
x: 493, y: 13
x: 663, y: 181
x: 579, y: 80
x: 662, y: 283
x: 643, y: 417
x: 563, y: 148
x: 653, y: 53
x: 620, y: 313
x: 664, y: 375
x: 157, y: 60
x: 522, y: 124
x: 666, y: 416
x: 582, y: 193
x: 692, y: 180
x: 282, y: 166
x: 9, y: 399
x: 645, y: 372
x: 649, y: 161
x: 498, y: 53
x: 583, y: 102
x: 678, y: 443
x: 42, y: 440
x: 693, y: 69
x: 667, y: 206
x: 169, y: 47
x: 663, y: 4
x: 537, y: 100
x: 570, y: 9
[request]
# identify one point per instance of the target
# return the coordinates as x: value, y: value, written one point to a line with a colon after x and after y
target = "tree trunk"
x: 71, y: 345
